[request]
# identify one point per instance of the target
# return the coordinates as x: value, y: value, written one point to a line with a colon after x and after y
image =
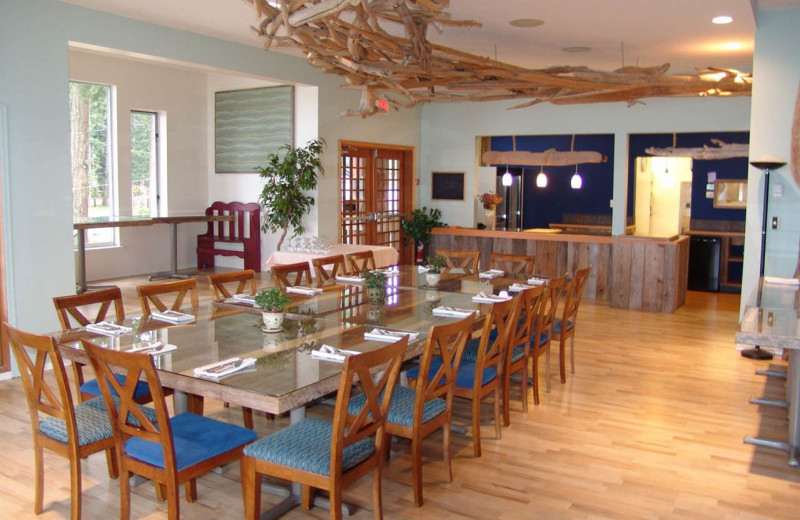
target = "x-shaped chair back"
x: 78, y: 305
x: 512, y: 264
x: 466, y: 261
x: 290, y: 275
x: 361, y: 261
x: 547, y: 311
x: 530, y: 302
x: 152, y: 294
x: 349, y: 429
x: 491, y: 352
x: 220, y: 283
x: 574, y: 295
x: 328, y: 267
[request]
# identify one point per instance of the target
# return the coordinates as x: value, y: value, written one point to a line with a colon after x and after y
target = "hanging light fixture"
x: 507, y: 179
x: 577, y: 181
x: 541, y: 179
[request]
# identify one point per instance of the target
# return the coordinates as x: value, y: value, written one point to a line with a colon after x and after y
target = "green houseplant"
x: 418, y: 227
x: 436, y: 264
x: 272, y: 303
x: 375, y: 281
x: 289, y: 175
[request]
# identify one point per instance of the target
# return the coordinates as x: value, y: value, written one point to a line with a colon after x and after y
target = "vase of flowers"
x: 375, y: 281
x: 490, y: 200
x: 436, y: 264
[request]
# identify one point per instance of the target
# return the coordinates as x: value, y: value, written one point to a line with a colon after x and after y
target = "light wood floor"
x: 649, y: 427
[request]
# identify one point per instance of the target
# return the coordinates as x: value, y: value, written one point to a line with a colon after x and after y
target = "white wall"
x: 776, y: 68
x: 449, y: 132
x: 34, y: 39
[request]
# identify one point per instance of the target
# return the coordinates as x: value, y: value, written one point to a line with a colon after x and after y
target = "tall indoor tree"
x: 289, y: 175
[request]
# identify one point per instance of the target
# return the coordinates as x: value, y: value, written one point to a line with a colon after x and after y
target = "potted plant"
x: 375, y: 281
x: 418, y: 228
x: 272, y: 304
x: 289, y: 175
x: 436, y: 264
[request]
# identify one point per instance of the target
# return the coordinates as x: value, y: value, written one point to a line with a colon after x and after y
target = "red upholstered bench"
x: 244, y: 229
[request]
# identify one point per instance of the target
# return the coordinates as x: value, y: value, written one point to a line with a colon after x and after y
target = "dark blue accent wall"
x: 541, y: 206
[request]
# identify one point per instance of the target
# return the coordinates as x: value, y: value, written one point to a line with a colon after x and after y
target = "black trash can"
x: 704, y: 264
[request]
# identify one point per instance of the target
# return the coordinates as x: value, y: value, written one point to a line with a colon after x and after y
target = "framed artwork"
x: 249, y: 125
x: 447, y: 185
x: 730, y: 194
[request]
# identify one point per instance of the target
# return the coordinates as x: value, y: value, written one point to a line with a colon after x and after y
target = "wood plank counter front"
x: 632, y: 272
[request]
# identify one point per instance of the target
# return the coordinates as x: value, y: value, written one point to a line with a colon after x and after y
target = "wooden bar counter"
x: 632, y: 272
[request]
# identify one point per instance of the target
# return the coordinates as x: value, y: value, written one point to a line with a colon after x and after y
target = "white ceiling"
x: 648, y: 32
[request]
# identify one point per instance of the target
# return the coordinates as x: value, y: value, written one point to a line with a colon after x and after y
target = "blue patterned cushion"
x: 306, y: 446
x: 92, y: 387
x: 401, y: 408
x: 466, y: 373
x: 91, y: 419
x: 517, y: 354
x: 557, y: 325
x: 196, y: 438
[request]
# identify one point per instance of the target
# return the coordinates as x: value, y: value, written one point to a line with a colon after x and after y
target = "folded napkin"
x: 349, y: 278
x: 308, y: 291
x: 491, y: 273
x: 422, y: 269
x: 329, y: 353
x: 108, y: 329
x: 518, y: 287
x: 537, y: 281
x: 482, y: 297
x: 390, y: 335
x: 768, y: 279
x: 171, y: 316
x: 154, y: 349
x: 224, y: 368
x: 244, y: 298
x: 452, y: 312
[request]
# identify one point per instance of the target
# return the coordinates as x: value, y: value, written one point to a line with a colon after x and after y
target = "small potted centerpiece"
x: 436, y: 265
x: 375, y: 281
x: 272, y: 304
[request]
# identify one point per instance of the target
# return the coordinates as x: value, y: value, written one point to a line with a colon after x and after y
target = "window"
x: 144, y: 164
x: 93, y: 175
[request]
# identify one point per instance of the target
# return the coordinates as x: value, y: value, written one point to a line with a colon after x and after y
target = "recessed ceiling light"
x: 526, y: 22
x: 576, y: 49
x: 721, y: 20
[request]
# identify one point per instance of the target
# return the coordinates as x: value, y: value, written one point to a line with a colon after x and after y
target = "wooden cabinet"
x: 731, y: 259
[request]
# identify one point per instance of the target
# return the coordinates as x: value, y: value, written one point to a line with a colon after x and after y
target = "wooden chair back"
x: 290, y: 275
x: 574, y: 294
x: 446, y: 341
x: 512, y: 264
x: 361, y: 261
x: 467, y: 261
x: 152, y: 294
x: 530, y: 302
x: 96, y: 302
x: 492, y: 350
x: 547, y: 311
x: 370, y: 421
x: 221, y: 284
x: 328, y: 267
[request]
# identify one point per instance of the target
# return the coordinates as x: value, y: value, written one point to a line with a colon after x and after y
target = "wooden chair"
x: 543, y: 335
x: 564, y: 327
x: 419, y: 411
x: 176, y: 451
x: 512, y: 264
x: 361, y: 261
x: 335, y: 264
x: 290, y: 275
x: 72, y: 431
x: 519, y: 347
x: 221, y: 284
x: 466, y: 261
x: 152, y: 293
x: 330, y: 456
x: 98, y: 303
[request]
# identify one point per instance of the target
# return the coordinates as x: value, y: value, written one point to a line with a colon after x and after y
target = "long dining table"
x: 285, y: 377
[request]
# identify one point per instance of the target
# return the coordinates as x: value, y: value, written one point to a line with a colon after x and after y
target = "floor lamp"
x: 765, y: 163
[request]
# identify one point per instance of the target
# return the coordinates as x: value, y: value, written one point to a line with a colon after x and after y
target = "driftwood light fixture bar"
x: 720, y: 150
x: 549, y: 157
x: 359, y: 40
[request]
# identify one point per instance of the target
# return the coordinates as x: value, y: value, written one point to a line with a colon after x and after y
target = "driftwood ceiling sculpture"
x: 720, y: 150
x: 357, y: 39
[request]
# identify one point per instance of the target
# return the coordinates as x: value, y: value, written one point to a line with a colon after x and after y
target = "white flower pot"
x: 272, y: 320
x: 433, y: 278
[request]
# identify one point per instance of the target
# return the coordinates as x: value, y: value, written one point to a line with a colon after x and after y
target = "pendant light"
x: 507, y: 178
x: 577, y: 181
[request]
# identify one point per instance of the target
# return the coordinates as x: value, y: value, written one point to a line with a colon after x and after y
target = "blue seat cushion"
x: 92, y: 387
x: 517, y: 354
x: 306, y: 446
x: 196, y: 438
x: 466, y: 373
x: 401, y: 408
x: 557, y: 325
x: 91, y: 419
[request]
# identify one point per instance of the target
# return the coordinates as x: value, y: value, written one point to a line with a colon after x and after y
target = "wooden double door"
x: 375, y: 187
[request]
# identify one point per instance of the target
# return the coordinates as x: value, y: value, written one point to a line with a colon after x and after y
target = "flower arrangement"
x: 490, y: 200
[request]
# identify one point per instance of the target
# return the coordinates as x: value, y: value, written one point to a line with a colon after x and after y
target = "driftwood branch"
x: 720, y: 150
x: 551, y: 157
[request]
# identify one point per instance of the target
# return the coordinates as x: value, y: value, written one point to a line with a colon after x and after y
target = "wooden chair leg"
x: 497, y: 399
x: 173, y: 501
x: 308, y: 497
x: 562, y: 357
x: 75, y: 487
x: 387, y: 447
x: 336, y: 498
x: 38, y: 501
x: 77, y: 370
x: 111, y: 461
x: 446, y: 448
x: 506, y: 399
x: 377, y: 495
x: 190, y: 487
x: 161, y: 491
x: 125, y: 495
x: 476, y: 426
x: 535, y: 378
x: 247, y: 417
x: 547, y: 370
x: 251, y: 489
x: 416, y: 470
x: 572, y: 352
x: 524, y: 387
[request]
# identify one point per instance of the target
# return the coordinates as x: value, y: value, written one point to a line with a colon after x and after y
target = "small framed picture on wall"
x: 447, y: 185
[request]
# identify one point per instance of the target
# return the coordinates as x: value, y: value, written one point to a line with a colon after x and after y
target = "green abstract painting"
x: 249, y: 125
